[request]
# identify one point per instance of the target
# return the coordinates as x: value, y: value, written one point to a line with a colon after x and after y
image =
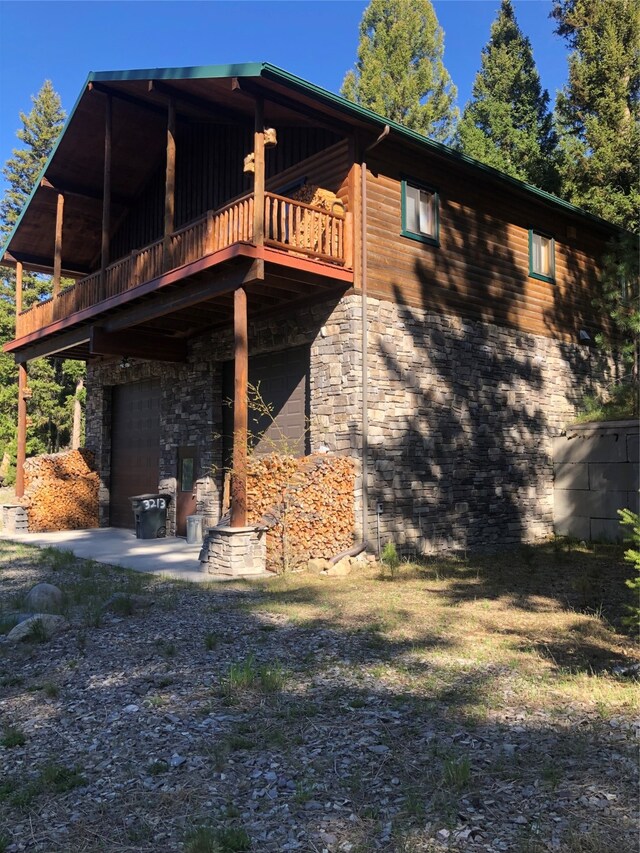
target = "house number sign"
x: 154, y: 503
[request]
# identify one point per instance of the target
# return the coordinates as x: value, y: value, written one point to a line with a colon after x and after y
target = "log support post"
x: 106, y: 194
x: 258, y: 179
x: 18, y: 296
x: 240, y: 410
x: 22, y: 428
x: 170, y: 185
x: 57, y: 251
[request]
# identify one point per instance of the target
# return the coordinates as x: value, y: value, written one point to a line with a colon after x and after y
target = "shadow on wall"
x: 462, y: 404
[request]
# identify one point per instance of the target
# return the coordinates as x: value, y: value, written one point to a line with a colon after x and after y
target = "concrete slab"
x: 171, y: 557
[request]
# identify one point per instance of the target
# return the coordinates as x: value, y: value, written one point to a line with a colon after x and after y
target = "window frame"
x: 429, y: 239
x: 537, y: 232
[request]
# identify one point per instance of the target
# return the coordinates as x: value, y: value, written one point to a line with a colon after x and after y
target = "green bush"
x: 632, y: 555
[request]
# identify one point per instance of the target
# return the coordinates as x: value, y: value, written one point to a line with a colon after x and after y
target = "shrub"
x: 632, y: 555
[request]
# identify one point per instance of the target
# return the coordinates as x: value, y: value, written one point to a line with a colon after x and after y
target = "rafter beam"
x: 37, y: 263
x: 207, y: 108
x: 154, y: 347
x: 82, y: 192
x: 129, y: 99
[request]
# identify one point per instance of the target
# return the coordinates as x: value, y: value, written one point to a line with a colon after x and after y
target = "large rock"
x: 317, y: 565
x: 44, y: 598
x: 30, y: 629
x: 340, y: 569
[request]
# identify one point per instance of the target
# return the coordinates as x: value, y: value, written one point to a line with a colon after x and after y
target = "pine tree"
x: 507, y: 124
x: 53, y: 386
x: 598, y: 111
x: 400, y: 71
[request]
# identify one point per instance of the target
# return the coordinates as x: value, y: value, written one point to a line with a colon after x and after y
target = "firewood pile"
x: 323, y: 200
x: 61, y: 491
x: 306, y: 503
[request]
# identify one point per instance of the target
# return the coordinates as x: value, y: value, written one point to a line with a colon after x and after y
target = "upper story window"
x: 420, y: 214
x: 542, y: 256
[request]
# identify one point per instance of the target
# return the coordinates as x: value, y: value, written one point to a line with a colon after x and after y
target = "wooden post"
x: 106, y: 193
x: 57, y: 252
x: 22, y: 428
x: 240, y: 410
x: 258, y: 175
x: 170, y: 185
x: 18, y: 293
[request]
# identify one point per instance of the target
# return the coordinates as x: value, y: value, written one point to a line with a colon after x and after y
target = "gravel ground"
x: 213, y: 708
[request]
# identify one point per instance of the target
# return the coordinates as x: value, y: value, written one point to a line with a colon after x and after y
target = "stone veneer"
x: 192, y: 396
x: 234, y: 552
x: 461, y: 420
x: 461, y: 417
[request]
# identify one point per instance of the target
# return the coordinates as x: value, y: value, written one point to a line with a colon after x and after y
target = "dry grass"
x: 545, y: 622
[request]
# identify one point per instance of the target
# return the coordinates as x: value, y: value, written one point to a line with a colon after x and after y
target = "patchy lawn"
x: 459, y: 705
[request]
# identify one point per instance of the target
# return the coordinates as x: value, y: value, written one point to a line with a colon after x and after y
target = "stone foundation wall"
x: 596, y: 474
x: 462, y: 416
x: 192, y: 398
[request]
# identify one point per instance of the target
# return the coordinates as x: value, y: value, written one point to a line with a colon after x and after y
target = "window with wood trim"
x: 420, y: 212
x: 542, y: 256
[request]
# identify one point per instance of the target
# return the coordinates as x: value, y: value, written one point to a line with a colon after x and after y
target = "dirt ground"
x: 469, y: 705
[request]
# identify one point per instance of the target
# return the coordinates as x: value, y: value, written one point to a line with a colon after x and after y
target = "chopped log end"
x: 308, y: 505
x: 61, y: 491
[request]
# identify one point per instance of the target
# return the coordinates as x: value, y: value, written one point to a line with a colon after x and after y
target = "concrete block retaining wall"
x: 595, y: 474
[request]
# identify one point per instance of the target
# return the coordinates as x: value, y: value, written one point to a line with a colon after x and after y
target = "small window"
x: 420, y: 219
x: 541, y: 256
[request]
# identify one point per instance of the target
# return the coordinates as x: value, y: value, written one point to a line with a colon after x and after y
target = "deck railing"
x: 289, y: 225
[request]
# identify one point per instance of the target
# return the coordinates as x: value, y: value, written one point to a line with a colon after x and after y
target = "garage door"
x: 135, y: 446
x: 282, y: 380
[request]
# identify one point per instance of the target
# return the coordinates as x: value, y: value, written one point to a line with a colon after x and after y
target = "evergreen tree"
x: 507, y: 124
x: 53, y: 385
x: 400, y: 71
x: 598, y: 111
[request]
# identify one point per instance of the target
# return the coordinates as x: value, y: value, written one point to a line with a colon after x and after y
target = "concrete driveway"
x: 171, y: 557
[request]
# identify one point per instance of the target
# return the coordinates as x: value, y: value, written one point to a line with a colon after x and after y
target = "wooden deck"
x: 299, y: 229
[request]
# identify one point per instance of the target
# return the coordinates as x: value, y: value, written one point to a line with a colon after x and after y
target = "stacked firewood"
x: 307, y: 504
x: 61, y: 491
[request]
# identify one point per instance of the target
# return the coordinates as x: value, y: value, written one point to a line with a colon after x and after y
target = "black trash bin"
x: 150, y: 513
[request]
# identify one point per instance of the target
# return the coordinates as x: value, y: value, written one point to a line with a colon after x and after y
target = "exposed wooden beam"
x: 36, y: 263
x: 170, y: 185
x: 82, y: 192
x: 138, y: 345
x: 240, y: 410
x: 57, y: 249
x: 112, y: 92
x: 22, y: 428
x: 18, y: 288
x: 297, y: 108
x: 106, y: 189
x: 208, y: 109
x: 258, y: 177
x: 54, y: 345
x: 185, y: 297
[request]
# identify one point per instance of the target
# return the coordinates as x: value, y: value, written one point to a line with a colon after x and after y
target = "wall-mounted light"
x: 125, y: 362
x: 584, y: 337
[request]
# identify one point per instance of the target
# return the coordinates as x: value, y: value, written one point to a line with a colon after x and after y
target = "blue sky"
x: 315, y: 39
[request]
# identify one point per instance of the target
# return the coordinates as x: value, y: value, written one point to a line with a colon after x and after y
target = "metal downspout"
x: 365, y: 339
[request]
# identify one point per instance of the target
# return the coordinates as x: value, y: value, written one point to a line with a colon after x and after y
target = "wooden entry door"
x: 186, y: 491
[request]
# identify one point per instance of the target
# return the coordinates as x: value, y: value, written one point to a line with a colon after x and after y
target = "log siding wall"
x: 480, y: 269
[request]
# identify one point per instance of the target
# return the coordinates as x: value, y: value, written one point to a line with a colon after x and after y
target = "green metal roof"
x: 272, y: 72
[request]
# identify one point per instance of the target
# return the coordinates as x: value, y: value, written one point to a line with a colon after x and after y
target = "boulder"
x: 317, y: 565
x: 44, y: 598
x: 47, y: 627
x: 340, y: 569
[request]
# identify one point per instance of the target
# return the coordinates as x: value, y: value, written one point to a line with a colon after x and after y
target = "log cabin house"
x: 393, y: 300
